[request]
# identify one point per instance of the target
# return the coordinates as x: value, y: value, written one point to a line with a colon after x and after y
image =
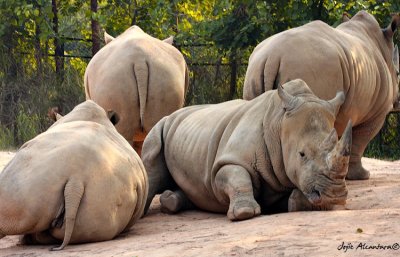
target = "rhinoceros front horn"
x: 338, y: 158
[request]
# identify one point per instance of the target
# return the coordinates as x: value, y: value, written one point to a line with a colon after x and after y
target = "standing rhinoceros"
x: 357, y: 57
x: 237, y: 156
x: 79, y: 181
x: 139, y: 77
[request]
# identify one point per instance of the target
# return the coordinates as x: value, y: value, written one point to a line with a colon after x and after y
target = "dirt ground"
x: 369, y: 225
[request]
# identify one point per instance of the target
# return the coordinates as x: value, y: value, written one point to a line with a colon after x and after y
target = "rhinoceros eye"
x: 302, y: 154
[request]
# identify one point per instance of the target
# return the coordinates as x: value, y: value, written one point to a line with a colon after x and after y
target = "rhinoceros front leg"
x: 298, y: 202
x: 234, y: 184
x: 361, y: 136
x: 175, y: 201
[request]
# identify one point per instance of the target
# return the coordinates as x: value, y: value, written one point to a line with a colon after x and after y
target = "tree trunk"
x: 135, y: 12
x: 233, y: 81
x: 59, y: 47
x: 95, y: 29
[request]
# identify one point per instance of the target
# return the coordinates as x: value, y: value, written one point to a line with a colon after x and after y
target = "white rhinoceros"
x: 357, y: 57
x: 139, y: 77
x: 238, y: 156
x: 79, y: 181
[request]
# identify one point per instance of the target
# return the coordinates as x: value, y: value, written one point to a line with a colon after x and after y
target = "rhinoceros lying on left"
x: 242, y: 157
x: 80, y: 181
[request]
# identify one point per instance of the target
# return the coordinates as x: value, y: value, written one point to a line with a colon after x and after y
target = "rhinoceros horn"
x: 338, y: 158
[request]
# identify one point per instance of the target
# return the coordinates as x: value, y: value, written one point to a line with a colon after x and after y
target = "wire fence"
x: 24, y: 100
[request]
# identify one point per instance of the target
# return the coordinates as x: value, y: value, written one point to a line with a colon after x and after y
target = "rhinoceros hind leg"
x: 174, y: 201
x: 233, y: 182
x: 42, y: 238
x: 298, y: 202
x: 357, y: 171
x: 361, y: 136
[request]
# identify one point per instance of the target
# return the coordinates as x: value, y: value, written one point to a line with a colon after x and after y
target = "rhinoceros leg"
x: 43, y: 237
x: 298, y: 202
x: 154, y: 161
x: 175, y: 201
x: 233, y: 182
x: 361, y: 136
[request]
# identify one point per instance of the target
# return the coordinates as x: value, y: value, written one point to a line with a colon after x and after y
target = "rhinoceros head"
x: 88, y: 111
x: 315, y: 160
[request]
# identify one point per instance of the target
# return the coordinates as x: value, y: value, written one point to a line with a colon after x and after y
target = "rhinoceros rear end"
x: 141, y: 78
x: 79, y: 181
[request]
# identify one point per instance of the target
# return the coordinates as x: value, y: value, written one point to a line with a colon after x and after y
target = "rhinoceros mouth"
x: 317, y: 197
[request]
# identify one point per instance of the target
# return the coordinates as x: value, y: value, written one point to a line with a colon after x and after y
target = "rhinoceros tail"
x: 86, y: 84
x: 73, y: 193
x: 141, y: 72
x: 186, y: 84
x: 270, y: 76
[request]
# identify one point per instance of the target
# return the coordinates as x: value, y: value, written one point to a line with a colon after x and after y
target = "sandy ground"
x: 371, y: 218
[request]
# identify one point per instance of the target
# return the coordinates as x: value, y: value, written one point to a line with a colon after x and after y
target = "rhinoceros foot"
x: 357, y: 171
x: 174, y: 201
x: 243, y: 208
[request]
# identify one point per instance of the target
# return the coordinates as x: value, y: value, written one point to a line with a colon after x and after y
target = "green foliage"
x: 215, y: 36
x: 6, y: 138
x: 28, y: 125
x: 386, y: 144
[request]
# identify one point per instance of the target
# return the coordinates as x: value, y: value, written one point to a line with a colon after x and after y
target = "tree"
x: 95, y: 27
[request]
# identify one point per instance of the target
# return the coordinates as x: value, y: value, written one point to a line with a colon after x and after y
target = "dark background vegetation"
x: 45, y: 46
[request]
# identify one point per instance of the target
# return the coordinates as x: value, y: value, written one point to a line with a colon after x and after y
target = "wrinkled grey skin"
x: 357, y: 57
x: 242, y: 157
x: 79, y: 181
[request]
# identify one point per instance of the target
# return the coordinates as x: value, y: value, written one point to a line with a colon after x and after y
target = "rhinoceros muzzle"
x: 337, y: 159
x: 314, y: 197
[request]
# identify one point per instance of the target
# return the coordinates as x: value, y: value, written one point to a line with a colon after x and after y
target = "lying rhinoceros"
x: 357, y: 57
x: 139, y: 77
x: 240, y: 155
x: 79, y: 181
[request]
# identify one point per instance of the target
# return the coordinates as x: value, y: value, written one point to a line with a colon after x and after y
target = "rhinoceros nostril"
x: 315, y: 197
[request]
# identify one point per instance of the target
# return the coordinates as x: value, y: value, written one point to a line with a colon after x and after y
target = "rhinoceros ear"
x: 54, y: 113
x: 345, y: 17
x: 108, y: 38
x: 113, y: 117
x: 288, y: 101
x: 337, y: 101
x: 391, y: 29
x: 169, y: 40
x: 396, y: 59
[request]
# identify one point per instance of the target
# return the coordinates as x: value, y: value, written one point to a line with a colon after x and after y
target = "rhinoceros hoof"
x: 298, y: 202
x: 357, y: 172
x: 170, y: 202
x: 242, y: 209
